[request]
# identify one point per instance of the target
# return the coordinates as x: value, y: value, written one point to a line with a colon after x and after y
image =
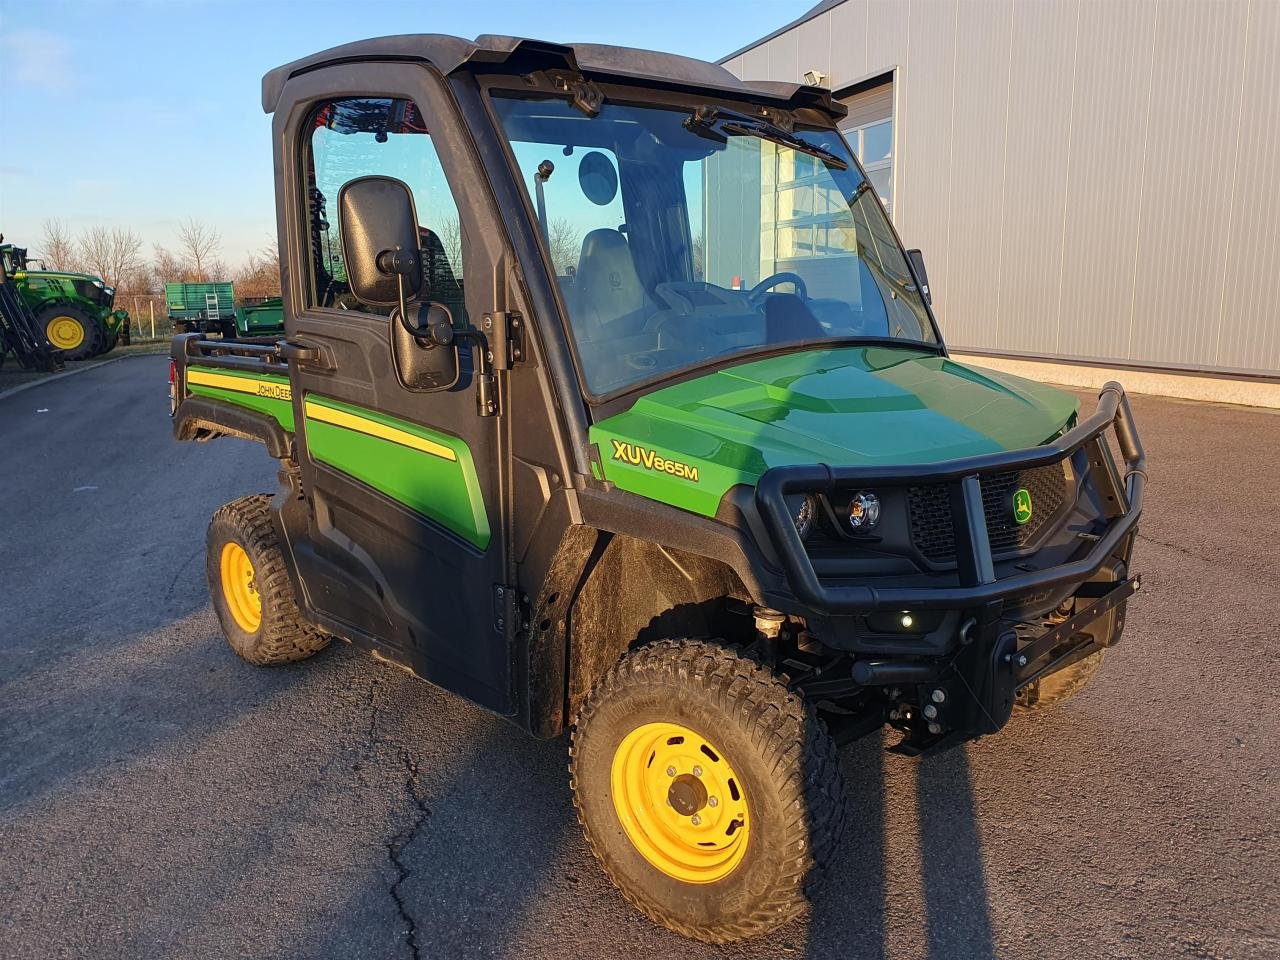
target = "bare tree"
x: 166, y: 267
x: 111, y: 253
x: 199, y: 244
x: 58, y: 246
x: 566, y: 243
x: 259, y: 277
x: 450, y: 234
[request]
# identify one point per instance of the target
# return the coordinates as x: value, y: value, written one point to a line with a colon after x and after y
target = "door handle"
x: 300, y: 352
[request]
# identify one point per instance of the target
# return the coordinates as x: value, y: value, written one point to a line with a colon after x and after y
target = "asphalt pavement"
x: 161, y: 798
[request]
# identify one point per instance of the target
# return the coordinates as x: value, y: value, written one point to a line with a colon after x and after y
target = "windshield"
x: 679, y: 236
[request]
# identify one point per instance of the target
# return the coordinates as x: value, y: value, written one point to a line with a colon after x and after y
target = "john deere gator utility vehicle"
x: 709, y: 528
x: 76, y: 310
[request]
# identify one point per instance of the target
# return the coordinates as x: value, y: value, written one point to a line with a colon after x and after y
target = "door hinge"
x: 505, y: 333
x: 508, y: 608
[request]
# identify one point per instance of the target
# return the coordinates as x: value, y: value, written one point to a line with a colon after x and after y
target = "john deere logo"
x: 1022, y: 505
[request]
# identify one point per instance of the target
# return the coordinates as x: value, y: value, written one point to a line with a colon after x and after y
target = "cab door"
x: 404, y: 549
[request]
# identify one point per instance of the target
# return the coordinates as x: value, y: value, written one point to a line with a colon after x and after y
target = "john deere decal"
x: 1022, y: 505
x: 639, y: 456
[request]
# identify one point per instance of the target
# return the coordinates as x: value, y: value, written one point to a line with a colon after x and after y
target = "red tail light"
x: 173, y: 372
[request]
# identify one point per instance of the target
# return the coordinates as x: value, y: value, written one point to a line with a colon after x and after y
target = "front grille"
x: 930, y: 508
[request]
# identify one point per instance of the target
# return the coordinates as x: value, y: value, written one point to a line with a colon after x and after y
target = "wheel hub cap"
x: 680, y: 802
x: 240, y: 587
x: 65, y: 333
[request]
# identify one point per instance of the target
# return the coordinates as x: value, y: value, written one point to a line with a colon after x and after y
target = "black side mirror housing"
x: 916, y: 260
x: 426, y: 354
x: 379, y: 229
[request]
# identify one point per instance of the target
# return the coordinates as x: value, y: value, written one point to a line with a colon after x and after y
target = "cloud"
x: 39, y: 59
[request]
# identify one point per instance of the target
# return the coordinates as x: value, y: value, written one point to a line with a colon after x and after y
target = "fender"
x: 203, y: 418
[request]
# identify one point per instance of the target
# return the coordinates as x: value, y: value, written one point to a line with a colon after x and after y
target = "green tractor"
x: 75, y: 310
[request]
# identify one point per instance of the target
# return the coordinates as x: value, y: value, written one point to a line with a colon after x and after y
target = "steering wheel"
x: 768, y: 283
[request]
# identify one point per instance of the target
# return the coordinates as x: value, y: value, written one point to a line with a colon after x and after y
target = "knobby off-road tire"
x: 71, y: 330
x: 756, y: 747
x: 1060, y: 686
x: 250, y: 587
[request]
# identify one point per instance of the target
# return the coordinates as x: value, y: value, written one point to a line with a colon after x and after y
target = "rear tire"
x: 709, y: 792
x: 72, y: 330
x: 251, y: 590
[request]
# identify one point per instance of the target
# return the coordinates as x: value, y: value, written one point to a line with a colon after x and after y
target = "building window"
x: 872, y: 143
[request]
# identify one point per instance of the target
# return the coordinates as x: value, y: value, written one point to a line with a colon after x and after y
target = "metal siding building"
x: 1089, y: 180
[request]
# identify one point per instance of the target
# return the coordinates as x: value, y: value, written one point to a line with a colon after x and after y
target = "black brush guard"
x: 995, y: 667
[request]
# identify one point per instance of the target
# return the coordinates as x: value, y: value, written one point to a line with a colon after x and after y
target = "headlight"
x: 99, y: 284
x: 864, y: 511
x: 804, y: 510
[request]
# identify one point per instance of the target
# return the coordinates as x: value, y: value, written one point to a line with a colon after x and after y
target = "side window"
x: 369, y: 136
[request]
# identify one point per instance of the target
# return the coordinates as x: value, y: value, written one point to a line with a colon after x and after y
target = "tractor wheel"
x: 709, y: 792
x: 250, y: 587
x: 109, y: 343
x: 72, y: 330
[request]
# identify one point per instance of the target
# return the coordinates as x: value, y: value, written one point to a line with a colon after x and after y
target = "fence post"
x: 151, y: 305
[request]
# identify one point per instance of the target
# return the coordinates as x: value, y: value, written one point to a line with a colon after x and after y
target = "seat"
x: 609, y: 301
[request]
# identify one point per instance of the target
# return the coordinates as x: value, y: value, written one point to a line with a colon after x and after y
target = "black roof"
x: 448, y: 54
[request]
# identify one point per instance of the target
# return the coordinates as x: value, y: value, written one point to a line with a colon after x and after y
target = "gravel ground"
x: 160, y: 798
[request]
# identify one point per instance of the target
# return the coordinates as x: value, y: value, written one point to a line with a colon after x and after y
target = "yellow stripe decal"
x: 259, y: 387
x: 340, y: 418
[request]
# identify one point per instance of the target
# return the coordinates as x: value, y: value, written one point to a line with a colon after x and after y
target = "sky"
x: 139, y: 113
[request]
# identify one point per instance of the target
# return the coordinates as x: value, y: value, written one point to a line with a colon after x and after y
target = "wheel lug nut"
x: 712, y: 802
x: 696, y: 820
x: 697, y: 771
x: 671, y: 771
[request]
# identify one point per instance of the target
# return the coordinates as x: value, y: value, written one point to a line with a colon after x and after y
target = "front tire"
x: 71, y: 330
x: 250, y: 587
x: 709, y: 792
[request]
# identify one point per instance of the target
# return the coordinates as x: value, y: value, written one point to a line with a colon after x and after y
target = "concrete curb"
x: 1249, y: 393
x: 71, y: 373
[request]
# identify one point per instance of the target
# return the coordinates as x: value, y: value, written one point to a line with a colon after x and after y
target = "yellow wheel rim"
x: 65, y: 333
x: 240, y: 588
x: 680, y: 803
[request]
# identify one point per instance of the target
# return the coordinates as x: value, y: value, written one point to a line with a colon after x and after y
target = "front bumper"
x: 986, y: 655
x: 978, y: 585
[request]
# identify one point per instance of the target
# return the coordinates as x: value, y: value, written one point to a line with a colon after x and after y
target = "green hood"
x: 688, y: 444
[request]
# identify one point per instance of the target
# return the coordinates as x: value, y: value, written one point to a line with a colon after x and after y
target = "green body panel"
x: 442, y: 485
x: 279, y: 407
x: 448, y: 491
x: 688, y: 444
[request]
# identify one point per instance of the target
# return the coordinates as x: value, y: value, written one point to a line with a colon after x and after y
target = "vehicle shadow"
x: 928, y: 883
x: 82, y: 714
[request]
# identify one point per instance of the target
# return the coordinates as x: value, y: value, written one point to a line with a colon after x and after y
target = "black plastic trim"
x: 220, y: 417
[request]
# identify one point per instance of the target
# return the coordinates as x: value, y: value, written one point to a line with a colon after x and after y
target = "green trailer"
x: 261, y: 317
x: 76, y: 311
x: 202, y: 307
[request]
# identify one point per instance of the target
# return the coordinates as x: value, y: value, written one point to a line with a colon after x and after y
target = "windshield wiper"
x: 704, y: 120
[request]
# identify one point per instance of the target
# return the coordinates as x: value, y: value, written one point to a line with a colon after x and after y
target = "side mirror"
x: 916, y: 261
x: 426, y: 354
x: 379, y: 229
